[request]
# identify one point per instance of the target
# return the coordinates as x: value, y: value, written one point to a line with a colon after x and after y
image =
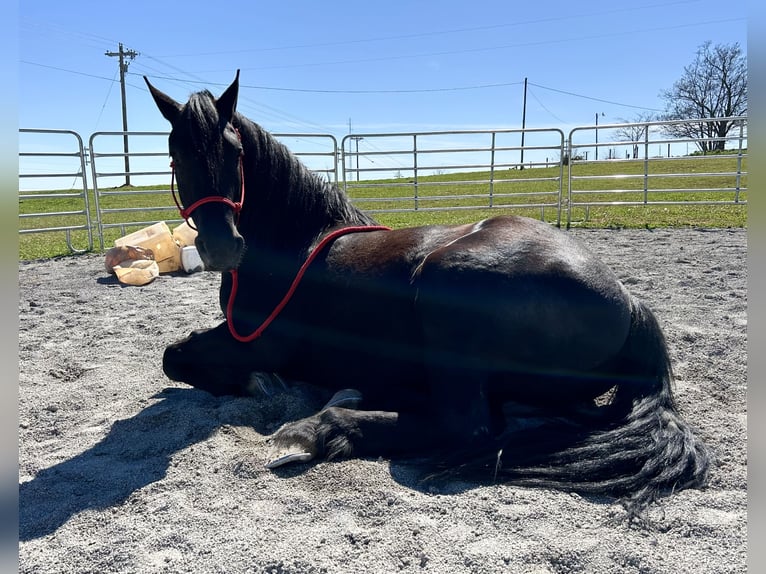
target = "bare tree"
x: 635, y: 131
x: 713, y: 86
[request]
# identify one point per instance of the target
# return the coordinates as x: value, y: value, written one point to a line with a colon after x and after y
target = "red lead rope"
x: 278, y: 309
x: 237, y: 207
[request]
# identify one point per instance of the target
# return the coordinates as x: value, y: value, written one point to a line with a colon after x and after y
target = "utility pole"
x: 602, y: 113
x: 122, y: 54
x: 523, y: 123
x: 356, y: 141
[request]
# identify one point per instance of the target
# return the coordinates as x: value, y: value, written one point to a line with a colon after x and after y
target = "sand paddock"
x: 122, y: 470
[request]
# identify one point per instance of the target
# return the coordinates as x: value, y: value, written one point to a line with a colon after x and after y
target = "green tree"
x: 714, y: 85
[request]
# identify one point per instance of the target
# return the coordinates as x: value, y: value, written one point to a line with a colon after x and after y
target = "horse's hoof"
x: 346, y: 398
x: 294, y: 442
x: 289, y: 458
x: 325, y: 435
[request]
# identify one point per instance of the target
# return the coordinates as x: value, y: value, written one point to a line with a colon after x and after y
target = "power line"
x: 108, y: 93
x: 542, y: 105
x: 576, y: 39
x: 392, y: 91
x: 377, y: 91
x: 594, y: 99
x: 244, y: 101
x: 49, y: 30
x: 427, y: 90
x: 65, y: 70
x: 449, y: 31
x: 359, y: 92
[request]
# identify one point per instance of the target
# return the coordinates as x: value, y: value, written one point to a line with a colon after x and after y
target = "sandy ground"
x: 121, y: 470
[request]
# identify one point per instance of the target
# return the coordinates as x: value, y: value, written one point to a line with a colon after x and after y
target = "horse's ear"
x: 169, y: 108
x: 227, y: 103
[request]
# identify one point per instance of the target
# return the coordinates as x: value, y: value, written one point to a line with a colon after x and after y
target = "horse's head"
x: 206, y: 154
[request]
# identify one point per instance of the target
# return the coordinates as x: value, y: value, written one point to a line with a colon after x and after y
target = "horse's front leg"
x: 211, y: 360
x: 455, y: 415
x: 338, y: 432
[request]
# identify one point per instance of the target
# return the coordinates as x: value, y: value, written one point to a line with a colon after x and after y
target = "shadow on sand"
x: 135, y: 453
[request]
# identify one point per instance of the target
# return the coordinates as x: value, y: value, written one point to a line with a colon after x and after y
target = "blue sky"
x: 313, y: 67
x: 607, y: 55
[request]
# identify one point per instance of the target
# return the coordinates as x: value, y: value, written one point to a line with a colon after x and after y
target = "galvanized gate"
x: 639, y: 164
x: 510, y: 169
x: 72, y: 208
x: 470, y: 169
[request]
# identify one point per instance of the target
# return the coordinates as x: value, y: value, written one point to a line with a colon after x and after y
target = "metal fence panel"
x: 71, y: 208
x: 640, y: 164
x: 127, y: 195
x: 448, y: 170
x: 508, y: 169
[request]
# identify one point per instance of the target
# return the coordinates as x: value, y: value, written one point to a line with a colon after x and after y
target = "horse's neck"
x: 288, y: 201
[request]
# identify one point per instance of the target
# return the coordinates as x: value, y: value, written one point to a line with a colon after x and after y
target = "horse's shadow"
x: 135, y: 453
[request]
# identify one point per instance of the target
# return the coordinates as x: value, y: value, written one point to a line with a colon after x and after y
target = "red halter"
x: 235, y: 205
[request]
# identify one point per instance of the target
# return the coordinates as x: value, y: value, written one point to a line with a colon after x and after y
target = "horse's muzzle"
x: 220, y: 253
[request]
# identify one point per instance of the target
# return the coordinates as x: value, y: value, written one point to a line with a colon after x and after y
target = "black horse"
x: 501, y: 349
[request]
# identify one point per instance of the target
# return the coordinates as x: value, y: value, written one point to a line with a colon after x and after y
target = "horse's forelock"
x: 202, y: 119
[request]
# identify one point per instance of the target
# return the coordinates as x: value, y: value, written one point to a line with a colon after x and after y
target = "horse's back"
x: 513, y: 293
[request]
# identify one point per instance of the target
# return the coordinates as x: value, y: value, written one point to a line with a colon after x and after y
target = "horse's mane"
x: 284, y: 199
x: 304, y: 203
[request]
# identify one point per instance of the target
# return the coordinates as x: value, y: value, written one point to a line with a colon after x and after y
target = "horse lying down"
x: 499, y: 350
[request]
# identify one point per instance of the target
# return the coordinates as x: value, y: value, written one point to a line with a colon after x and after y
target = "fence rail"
x: 512, y: 170
x: 482, y: 160
x: 72, y: 207
x: 658, y: 178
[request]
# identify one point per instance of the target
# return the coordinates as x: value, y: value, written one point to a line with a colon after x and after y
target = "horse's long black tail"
x: 636, y: 450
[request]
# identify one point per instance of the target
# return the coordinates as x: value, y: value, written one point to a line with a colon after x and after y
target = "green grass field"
x: 513, y: 191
